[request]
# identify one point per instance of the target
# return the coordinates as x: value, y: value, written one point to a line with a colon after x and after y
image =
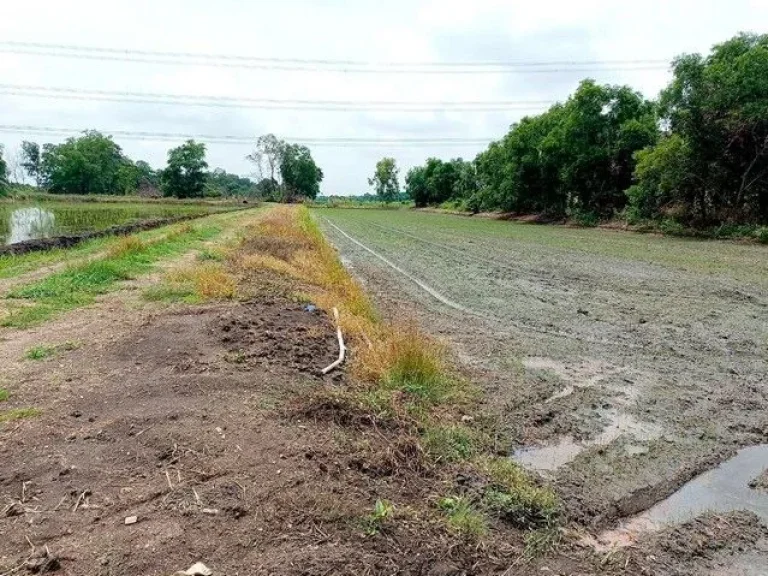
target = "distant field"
x: 24, y: 220
x: 603, y: 350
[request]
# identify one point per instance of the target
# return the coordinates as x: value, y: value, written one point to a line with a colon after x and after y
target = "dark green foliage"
x: 301, y: 176
x: 437, y: 181
x: 711, y: 166
x: 3, y: 174
x: 385, y: 180
x: 575, y: 158
x: 31, y: 160
x: 222, y: 183
x: 90, y: 164
x: 268, y: 189
x: 185, y: 175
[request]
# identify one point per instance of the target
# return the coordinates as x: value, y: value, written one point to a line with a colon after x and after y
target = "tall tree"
x: 385, y: 180
x: 712, y: 163
x: 185, y: 175
x: 267, y: 157
x: 3, y: 173
x: 301, y: 176
x: 31, y: 160
x: 90, y: 164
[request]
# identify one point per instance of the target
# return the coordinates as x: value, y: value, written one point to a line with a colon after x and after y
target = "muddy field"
x: 622, y: 365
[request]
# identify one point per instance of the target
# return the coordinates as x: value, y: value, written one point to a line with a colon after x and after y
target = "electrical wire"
x: 319, y: 65
x: 250, y: 140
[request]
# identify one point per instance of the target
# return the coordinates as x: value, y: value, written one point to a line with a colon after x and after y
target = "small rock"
x: 131, y: 520
x: 210, y: 511
x: 466, y: 418
x: 219, y: 430
x: 199, y: 569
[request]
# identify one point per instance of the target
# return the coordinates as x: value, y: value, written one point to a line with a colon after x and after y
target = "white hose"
x: 342, y: 347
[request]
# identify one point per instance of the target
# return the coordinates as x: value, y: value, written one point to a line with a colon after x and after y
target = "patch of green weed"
x: 454, y: 443
x: 463, y: 518
x: 515, y: 497
x: 374, y: 522
x: 4, y: 395
x: 43, y: 351
x: 18, y: 414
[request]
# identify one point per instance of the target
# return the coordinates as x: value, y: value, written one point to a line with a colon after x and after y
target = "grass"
x: 42, y: 351
x: 463, y: 518
x: 79, y: 285
x: 516, y: 498
x: 18, y: 414
x: 199, y: 283
x: 4, y: 395
x: 451, y: 443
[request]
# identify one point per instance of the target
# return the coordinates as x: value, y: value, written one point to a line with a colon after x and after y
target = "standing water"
x: 724, y: 489
x: 30, y: 223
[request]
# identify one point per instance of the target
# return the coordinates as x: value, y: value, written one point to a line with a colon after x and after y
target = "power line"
x: 319, y: 65
x: 250, y: 140
x: 267, y: 103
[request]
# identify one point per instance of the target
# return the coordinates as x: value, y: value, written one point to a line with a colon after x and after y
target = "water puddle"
x: 550, y: 458
x: 30, y: 223
x: 723, y: 489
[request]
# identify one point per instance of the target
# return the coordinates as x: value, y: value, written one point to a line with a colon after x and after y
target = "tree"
x: 222, y: 183
x: 31, y: 160
x: 185, y: 175
x: 268, y: 157
x: 301, y: 176
x: 90, y: 164
x: 385, y: 180
x: 3, y: 174
x: 712, y: 163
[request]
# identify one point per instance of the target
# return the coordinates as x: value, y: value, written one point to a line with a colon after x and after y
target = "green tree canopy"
x: 90, y: 164
x: 3, y: 173
x: 385, y: 180
x: 185, y: 176
x: 301, y: 176
x: 712, y: 163
x: 31, y: 161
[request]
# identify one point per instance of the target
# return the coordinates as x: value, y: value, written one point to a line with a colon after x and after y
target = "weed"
x: 210, y: 256
x: 4, y: 395
x: 127, y: 245
x: 167, y: 293
x: 762, y: 235
x: 18, y: 414
x: 516, y: 498
x: 463, y: 518
x: 42, y: 351
x: 374, y: 522
x: 541, y: 542
x: 237, y: 357
x: 450, y: 443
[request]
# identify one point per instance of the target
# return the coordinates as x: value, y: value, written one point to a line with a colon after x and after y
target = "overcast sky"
x: 383, y: 31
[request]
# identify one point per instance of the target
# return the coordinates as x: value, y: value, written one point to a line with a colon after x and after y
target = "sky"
x: 435, y: 31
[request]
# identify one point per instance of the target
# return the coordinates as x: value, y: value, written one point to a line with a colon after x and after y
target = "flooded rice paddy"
x: 24, y: 221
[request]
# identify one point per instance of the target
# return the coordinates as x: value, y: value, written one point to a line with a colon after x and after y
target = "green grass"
x: 80, y: 285
x: 463, y: 518
x: 4, y: 395
x: 450, y: 443
x: 171, y: 294
x: 42, y: 351
x: 515, y: 497
x: 18, y: 414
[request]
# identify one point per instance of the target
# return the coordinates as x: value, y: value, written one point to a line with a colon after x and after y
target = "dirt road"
x: 622, y: 365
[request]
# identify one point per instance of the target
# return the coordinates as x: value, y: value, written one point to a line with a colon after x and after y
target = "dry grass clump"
x: 198, y: 283
x: 127, y: 245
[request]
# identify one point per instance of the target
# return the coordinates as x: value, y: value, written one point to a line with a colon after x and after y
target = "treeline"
x: 94, y: 164
x: 697, y: 156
